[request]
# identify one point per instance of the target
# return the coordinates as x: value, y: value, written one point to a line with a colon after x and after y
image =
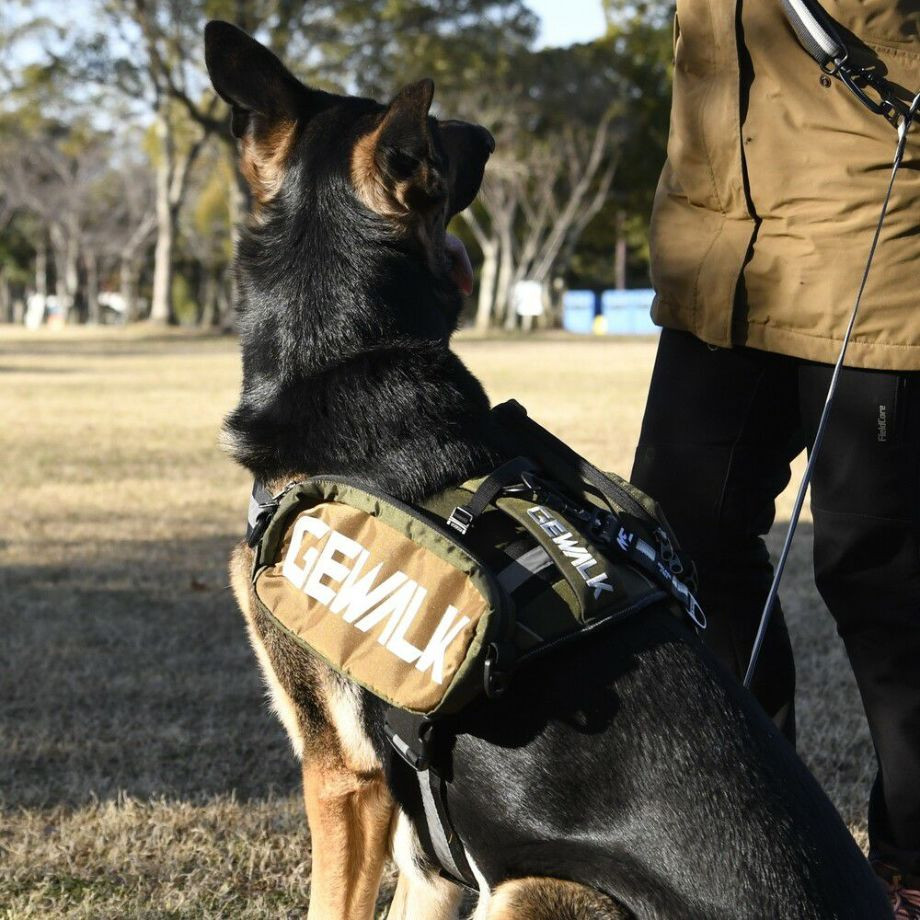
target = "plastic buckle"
x: 603, y: 526
x: 417, y: 760
x: 536, y: 484
x: 461, y: 520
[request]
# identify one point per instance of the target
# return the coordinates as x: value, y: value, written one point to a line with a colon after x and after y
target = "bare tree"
x: 53, y: 175
x: 536, y: 210
x: 161, y: 69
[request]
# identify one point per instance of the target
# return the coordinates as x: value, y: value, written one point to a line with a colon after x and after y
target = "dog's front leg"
x: 429, y: 899
x: 349, y: 815
x: 421, y: 894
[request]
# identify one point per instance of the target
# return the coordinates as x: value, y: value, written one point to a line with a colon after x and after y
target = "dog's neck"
x: 346, y: 365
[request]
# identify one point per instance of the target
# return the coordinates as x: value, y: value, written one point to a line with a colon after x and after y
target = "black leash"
x: 820, y: 39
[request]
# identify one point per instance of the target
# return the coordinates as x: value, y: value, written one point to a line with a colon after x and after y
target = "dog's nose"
x: 488, y: 140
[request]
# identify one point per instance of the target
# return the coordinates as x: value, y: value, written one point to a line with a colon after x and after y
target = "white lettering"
x: 540, y: 515
x: 394, y: 607
x: 398, y: 644
x: 321, y: 572
x: 581, y: 559
x: 566, y: 543
x: 600, y: 584
x: 433, y: 656
x: 293, y: 572
x: 358, y: 597
x: 327, y: 565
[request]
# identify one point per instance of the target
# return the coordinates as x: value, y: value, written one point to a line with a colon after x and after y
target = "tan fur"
x: 550, y: 899
x: 349, y: 816
x: 344, y: 704
x: 392, y: 201
x: 369, y: 184
x: 420, y: 893
x: 263, y: 159
x: 281, y: 702
x: 387, y: 200
x: 348, y: 804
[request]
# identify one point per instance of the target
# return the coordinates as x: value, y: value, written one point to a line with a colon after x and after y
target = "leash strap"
x: 817, y: 34
x: 903, y: 129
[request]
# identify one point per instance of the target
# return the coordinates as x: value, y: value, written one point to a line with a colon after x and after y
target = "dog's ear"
x: 396, y: 169
x: 268, y: 103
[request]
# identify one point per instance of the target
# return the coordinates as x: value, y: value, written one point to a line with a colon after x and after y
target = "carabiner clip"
x: 890, y: 108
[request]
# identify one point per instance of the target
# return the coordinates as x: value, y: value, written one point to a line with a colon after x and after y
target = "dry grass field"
x: 140, y: 774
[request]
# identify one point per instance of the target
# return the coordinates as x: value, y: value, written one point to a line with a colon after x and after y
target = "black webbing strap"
x: 411, y: 737
x: 817, y: 34
x: 462, y: 517
x: 557, y: 458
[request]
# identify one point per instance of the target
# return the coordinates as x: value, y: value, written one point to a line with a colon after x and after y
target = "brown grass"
x: 140, y: 775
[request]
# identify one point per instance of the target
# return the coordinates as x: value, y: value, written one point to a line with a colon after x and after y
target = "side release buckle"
x: 460, y: 519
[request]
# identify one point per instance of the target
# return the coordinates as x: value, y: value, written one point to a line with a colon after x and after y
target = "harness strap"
x: 462, y: 517
x: 411, y: 736
x: 560, y: 461
x: 262, y: 505
x: 661, y: 565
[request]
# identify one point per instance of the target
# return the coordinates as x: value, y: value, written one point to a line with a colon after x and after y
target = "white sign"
x: 527, y: 298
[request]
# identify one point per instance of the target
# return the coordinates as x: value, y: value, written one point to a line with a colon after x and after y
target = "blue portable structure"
x: 628, y: 312
x: 578, y: 311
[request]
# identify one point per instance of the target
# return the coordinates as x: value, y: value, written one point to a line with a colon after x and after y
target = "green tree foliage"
x: 375, y: 46
x: 640, y: 36
x: 581, y: 130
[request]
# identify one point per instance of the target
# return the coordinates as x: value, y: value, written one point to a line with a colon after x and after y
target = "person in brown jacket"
x: 760, y: 232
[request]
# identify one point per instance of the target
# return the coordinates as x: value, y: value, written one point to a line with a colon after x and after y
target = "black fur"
x: 632, y: 763
x: 344, y: 323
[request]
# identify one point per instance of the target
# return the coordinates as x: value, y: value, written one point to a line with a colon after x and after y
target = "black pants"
x: 720, y: 429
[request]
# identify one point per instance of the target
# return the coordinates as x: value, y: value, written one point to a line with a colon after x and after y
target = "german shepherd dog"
x: 627, y: 776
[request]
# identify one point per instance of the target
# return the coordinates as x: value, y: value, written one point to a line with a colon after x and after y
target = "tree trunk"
x: 93, y: 310
x: 208, y: 312
x: 41, y: 267
x: 240, y: 203
x: 66, y: 268
x: 619, y: 263
x: 503, y: 300
x: 553, y: 292
x: 128, y: 272
x: 161, y: 307
x: 6, y: 298
x: 227, y: 316
x: 488, y: 275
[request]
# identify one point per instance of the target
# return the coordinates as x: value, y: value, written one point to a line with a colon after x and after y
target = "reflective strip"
x: 524, y: 567
x: 436, y: 827
x: 253, y: 515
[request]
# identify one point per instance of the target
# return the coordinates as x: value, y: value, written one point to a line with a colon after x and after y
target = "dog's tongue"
x: 461, y: 270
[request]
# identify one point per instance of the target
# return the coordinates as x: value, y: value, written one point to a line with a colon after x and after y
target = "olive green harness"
x: 430, y: 606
